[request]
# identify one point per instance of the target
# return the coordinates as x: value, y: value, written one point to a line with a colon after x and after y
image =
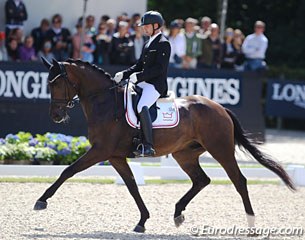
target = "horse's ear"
x: 46, y: 63
x: 55, y: 63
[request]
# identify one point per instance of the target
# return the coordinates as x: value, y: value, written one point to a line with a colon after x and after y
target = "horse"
x: 204, y: 126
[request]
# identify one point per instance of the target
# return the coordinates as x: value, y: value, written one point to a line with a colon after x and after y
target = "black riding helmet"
x: 152, y: 17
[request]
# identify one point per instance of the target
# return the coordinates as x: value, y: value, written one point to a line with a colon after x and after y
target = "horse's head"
x: 62, y: 89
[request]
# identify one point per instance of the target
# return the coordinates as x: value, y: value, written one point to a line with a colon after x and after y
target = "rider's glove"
x: 133, y: 78
x: 118, y: 77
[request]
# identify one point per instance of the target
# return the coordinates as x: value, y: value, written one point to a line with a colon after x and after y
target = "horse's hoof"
x: 179, y: 220
x: 139, y: 229
x: 40, y: 205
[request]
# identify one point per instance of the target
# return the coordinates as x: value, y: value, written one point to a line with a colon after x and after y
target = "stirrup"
x: 139, y: 152
x: 143, y: 152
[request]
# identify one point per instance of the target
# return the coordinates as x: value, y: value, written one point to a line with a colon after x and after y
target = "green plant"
x: 44, y: 154
x: 20, y: 151
x: 60, y: 148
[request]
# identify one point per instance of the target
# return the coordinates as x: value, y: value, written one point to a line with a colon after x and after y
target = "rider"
x: 150, y: 74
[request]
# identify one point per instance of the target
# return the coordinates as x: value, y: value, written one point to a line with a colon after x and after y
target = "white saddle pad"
x: 167, y: 112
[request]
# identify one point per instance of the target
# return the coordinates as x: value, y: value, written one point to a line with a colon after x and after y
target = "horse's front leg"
x: 122, y: 167
x: 93, y: 156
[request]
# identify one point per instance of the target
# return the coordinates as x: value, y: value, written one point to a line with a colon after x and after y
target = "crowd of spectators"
x: 194, y: 44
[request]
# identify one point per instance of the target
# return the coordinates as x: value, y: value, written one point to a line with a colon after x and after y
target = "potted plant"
x: 17, y: 153
x: 44, y: 156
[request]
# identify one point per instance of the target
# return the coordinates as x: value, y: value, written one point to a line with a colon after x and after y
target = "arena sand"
x: 96, y: 211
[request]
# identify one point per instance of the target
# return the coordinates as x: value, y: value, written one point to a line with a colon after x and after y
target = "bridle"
x: 68, y: 102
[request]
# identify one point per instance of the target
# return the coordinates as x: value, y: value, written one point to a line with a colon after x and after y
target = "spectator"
x: 123, y: 18
x: 104, y: 19
x: 39, y: 34
x: 27, y: 51
x: 111, y: 25
x: 205, y: 25
x: 238, y: 40
x: 3, y: 52
x: 12, y: 50
x: 136, y: 18
x: 122, y: 46
x: 254, y: 48
x: 193, y: 44
x: 228, y: 50
x: 138, y: 40
x: 90, y: 29
x: 17, y: 33
x: 46, y: 51
x: 103, y: 45
x: 211, y: 49
x: 88, y: 49
x: 60, y: 38
x: 178, y: 45
x: 76, y: 40
x: 15, y: 14
x: 84, y: 52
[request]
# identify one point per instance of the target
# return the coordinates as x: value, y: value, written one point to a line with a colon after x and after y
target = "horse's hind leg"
x: 125, y: 172
x: 90, y: 158
x: 226, y: 158
x: 188, y: 161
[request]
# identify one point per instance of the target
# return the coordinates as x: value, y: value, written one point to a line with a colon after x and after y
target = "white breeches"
x: 149, y: 95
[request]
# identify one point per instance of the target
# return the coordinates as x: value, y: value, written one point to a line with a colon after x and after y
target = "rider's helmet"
x: 152, y: 17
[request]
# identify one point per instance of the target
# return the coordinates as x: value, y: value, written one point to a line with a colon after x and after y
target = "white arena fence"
x: 168, y: 170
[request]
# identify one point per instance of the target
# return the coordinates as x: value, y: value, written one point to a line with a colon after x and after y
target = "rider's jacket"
x: 153, y: 63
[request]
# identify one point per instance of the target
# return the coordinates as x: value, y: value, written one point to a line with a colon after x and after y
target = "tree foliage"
x: 284, y: 22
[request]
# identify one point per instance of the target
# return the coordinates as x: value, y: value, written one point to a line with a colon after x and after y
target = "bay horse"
x: 204, y: 126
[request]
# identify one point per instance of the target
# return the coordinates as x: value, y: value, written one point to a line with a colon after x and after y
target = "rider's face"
x: 148, y: 29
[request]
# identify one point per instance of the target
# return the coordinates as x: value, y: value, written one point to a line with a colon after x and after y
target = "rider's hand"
x: 133, y: 78
x: 118, y: 77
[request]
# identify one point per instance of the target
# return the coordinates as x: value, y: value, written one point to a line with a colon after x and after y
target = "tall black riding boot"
x: 147, y: 149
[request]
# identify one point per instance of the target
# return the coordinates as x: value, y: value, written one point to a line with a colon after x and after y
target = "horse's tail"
x: 243, y: 141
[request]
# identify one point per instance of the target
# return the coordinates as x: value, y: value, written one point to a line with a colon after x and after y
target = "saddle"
x: 164, y: 113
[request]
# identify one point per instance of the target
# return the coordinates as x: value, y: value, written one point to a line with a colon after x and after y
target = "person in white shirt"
x: 254, y: 48
x: 178, y: 45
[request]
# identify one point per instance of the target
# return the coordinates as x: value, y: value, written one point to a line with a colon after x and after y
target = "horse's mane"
x: 79, y: 62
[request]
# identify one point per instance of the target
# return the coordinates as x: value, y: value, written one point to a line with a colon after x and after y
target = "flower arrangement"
x: 50, y: 147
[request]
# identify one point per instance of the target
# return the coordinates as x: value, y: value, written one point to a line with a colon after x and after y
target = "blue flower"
x: 2, y: 141
x: 11, y: 138
x: 33, y: 142
x: 82, y: 139
x: 64, y: 152
x: 51, y: 145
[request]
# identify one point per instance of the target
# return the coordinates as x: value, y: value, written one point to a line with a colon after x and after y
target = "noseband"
x: 67, y: 101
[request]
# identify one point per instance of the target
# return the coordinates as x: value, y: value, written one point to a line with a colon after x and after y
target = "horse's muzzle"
x: 58, y: 114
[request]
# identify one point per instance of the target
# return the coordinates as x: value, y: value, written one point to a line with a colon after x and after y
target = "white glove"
x: 133, y: 78
x: 118, y: 77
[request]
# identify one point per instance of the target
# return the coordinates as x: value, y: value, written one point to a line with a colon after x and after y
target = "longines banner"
x: 286, y: 99
x: 22, y: 82
x: 24, y: 97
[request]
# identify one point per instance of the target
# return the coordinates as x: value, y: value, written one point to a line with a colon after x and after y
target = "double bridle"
x: 67, y: 101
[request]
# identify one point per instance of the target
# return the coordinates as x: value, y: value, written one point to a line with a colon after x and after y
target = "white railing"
x: 167, y: 170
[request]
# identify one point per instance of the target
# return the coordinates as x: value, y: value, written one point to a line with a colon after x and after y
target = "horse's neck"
x: 102, y: 105
x: 93, y: 91
x: 93, y: 86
